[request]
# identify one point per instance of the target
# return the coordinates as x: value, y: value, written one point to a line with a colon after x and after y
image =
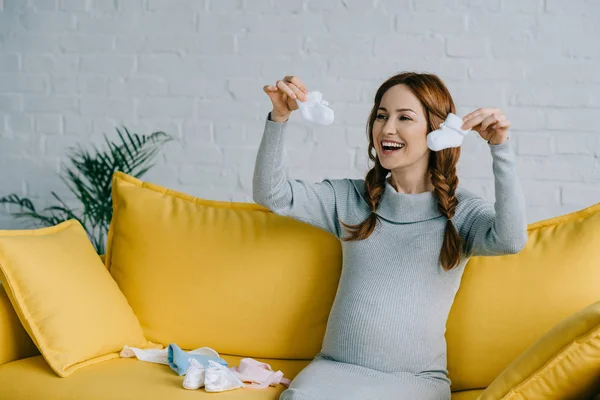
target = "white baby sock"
x: 449, y: 134
x: 315, y: 109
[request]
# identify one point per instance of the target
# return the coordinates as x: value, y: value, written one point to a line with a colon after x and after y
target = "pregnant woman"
x: 407, y: 230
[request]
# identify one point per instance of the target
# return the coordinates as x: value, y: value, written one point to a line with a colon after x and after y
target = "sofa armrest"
x: 15, y: 343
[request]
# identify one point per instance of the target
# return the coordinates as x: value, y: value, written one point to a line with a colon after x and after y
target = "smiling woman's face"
x: 400, y: 129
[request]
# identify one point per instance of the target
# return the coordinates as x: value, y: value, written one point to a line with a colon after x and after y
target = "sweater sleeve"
x: 313, y: 203
x: 499, y: 228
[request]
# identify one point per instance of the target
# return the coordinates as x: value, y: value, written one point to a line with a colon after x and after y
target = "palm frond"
x: 89, y: 178
x: 65, y: 210
x: 137, y: 150
x: 15, y: 199
x: 43, y: 220
x: 49, y: 216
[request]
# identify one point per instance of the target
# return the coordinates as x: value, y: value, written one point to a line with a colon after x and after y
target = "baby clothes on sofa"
x: 214, y: 378
x: 179, y: 359
x: 203, y: 367
x: 217, y: 378
x: 173, y: 356
x: 260, y: 375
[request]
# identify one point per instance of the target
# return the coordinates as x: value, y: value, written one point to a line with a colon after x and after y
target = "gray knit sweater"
x: 385, y: 333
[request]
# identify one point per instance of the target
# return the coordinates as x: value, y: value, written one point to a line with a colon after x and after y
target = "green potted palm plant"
x: 88, y: 175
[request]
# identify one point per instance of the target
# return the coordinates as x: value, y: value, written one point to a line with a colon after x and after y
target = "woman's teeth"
x: 390, y: 147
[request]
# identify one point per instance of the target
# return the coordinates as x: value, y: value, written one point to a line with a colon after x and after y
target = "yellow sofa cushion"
x: 15, y: 343
x: 562, y: 364
x: 126, y: 379
x: 506, y: 303
x: 122, y: 379
x: 231, y: 276
x: 65, y: 298
x: 466, y: 395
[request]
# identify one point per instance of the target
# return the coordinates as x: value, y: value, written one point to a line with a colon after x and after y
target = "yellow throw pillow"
x: 562, y: 364
x: 231, y: 276
x: 506, y: 303
x: 64, y: 296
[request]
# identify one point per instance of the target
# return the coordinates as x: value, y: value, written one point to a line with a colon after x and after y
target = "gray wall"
x: 71, y: 70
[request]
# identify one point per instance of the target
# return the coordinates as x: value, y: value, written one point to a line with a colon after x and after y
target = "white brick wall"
x: 71, y: 70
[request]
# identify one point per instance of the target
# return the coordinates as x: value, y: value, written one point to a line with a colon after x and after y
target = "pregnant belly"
x: 389, y: 332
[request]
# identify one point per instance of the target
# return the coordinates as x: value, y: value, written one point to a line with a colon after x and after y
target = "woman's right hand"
x: 283, y: 96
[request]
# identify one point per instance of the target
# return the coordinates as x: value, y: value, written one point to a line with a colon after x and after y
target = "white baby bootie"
x: 449, y: 134
x: 219, y: 378
x: 195, y: 375
x: 315, y: 109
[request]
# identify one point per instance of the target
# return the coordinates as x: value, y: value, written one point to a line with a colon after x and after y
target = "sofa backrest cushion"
x: 506, y: 303
x: 231, y: 276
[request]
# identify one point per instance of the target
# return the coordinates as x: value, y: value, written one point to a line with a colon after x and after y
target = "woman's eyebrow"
x: 397, y: 110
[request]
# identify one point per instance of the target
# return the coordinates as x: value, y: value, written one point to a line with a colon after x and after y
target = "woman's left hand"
x: 490, y: 123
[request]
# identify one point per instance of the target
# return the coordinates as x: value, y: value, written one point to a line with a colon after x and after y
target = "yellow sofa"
x: 249, y: 283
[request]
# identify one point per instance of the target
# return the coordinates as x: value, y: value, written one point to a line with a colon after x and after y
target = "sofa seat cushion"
x: 128, y: 378
x: 120, y: 379
x: 467, y: 394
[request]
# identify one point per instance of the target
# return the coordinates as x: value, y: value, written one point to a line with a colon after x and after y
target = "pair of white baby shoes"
x: 450, y: 134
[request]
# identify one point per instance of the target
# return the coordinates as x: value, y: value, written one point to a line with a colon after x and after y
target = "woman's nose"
x: 389, y: 126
